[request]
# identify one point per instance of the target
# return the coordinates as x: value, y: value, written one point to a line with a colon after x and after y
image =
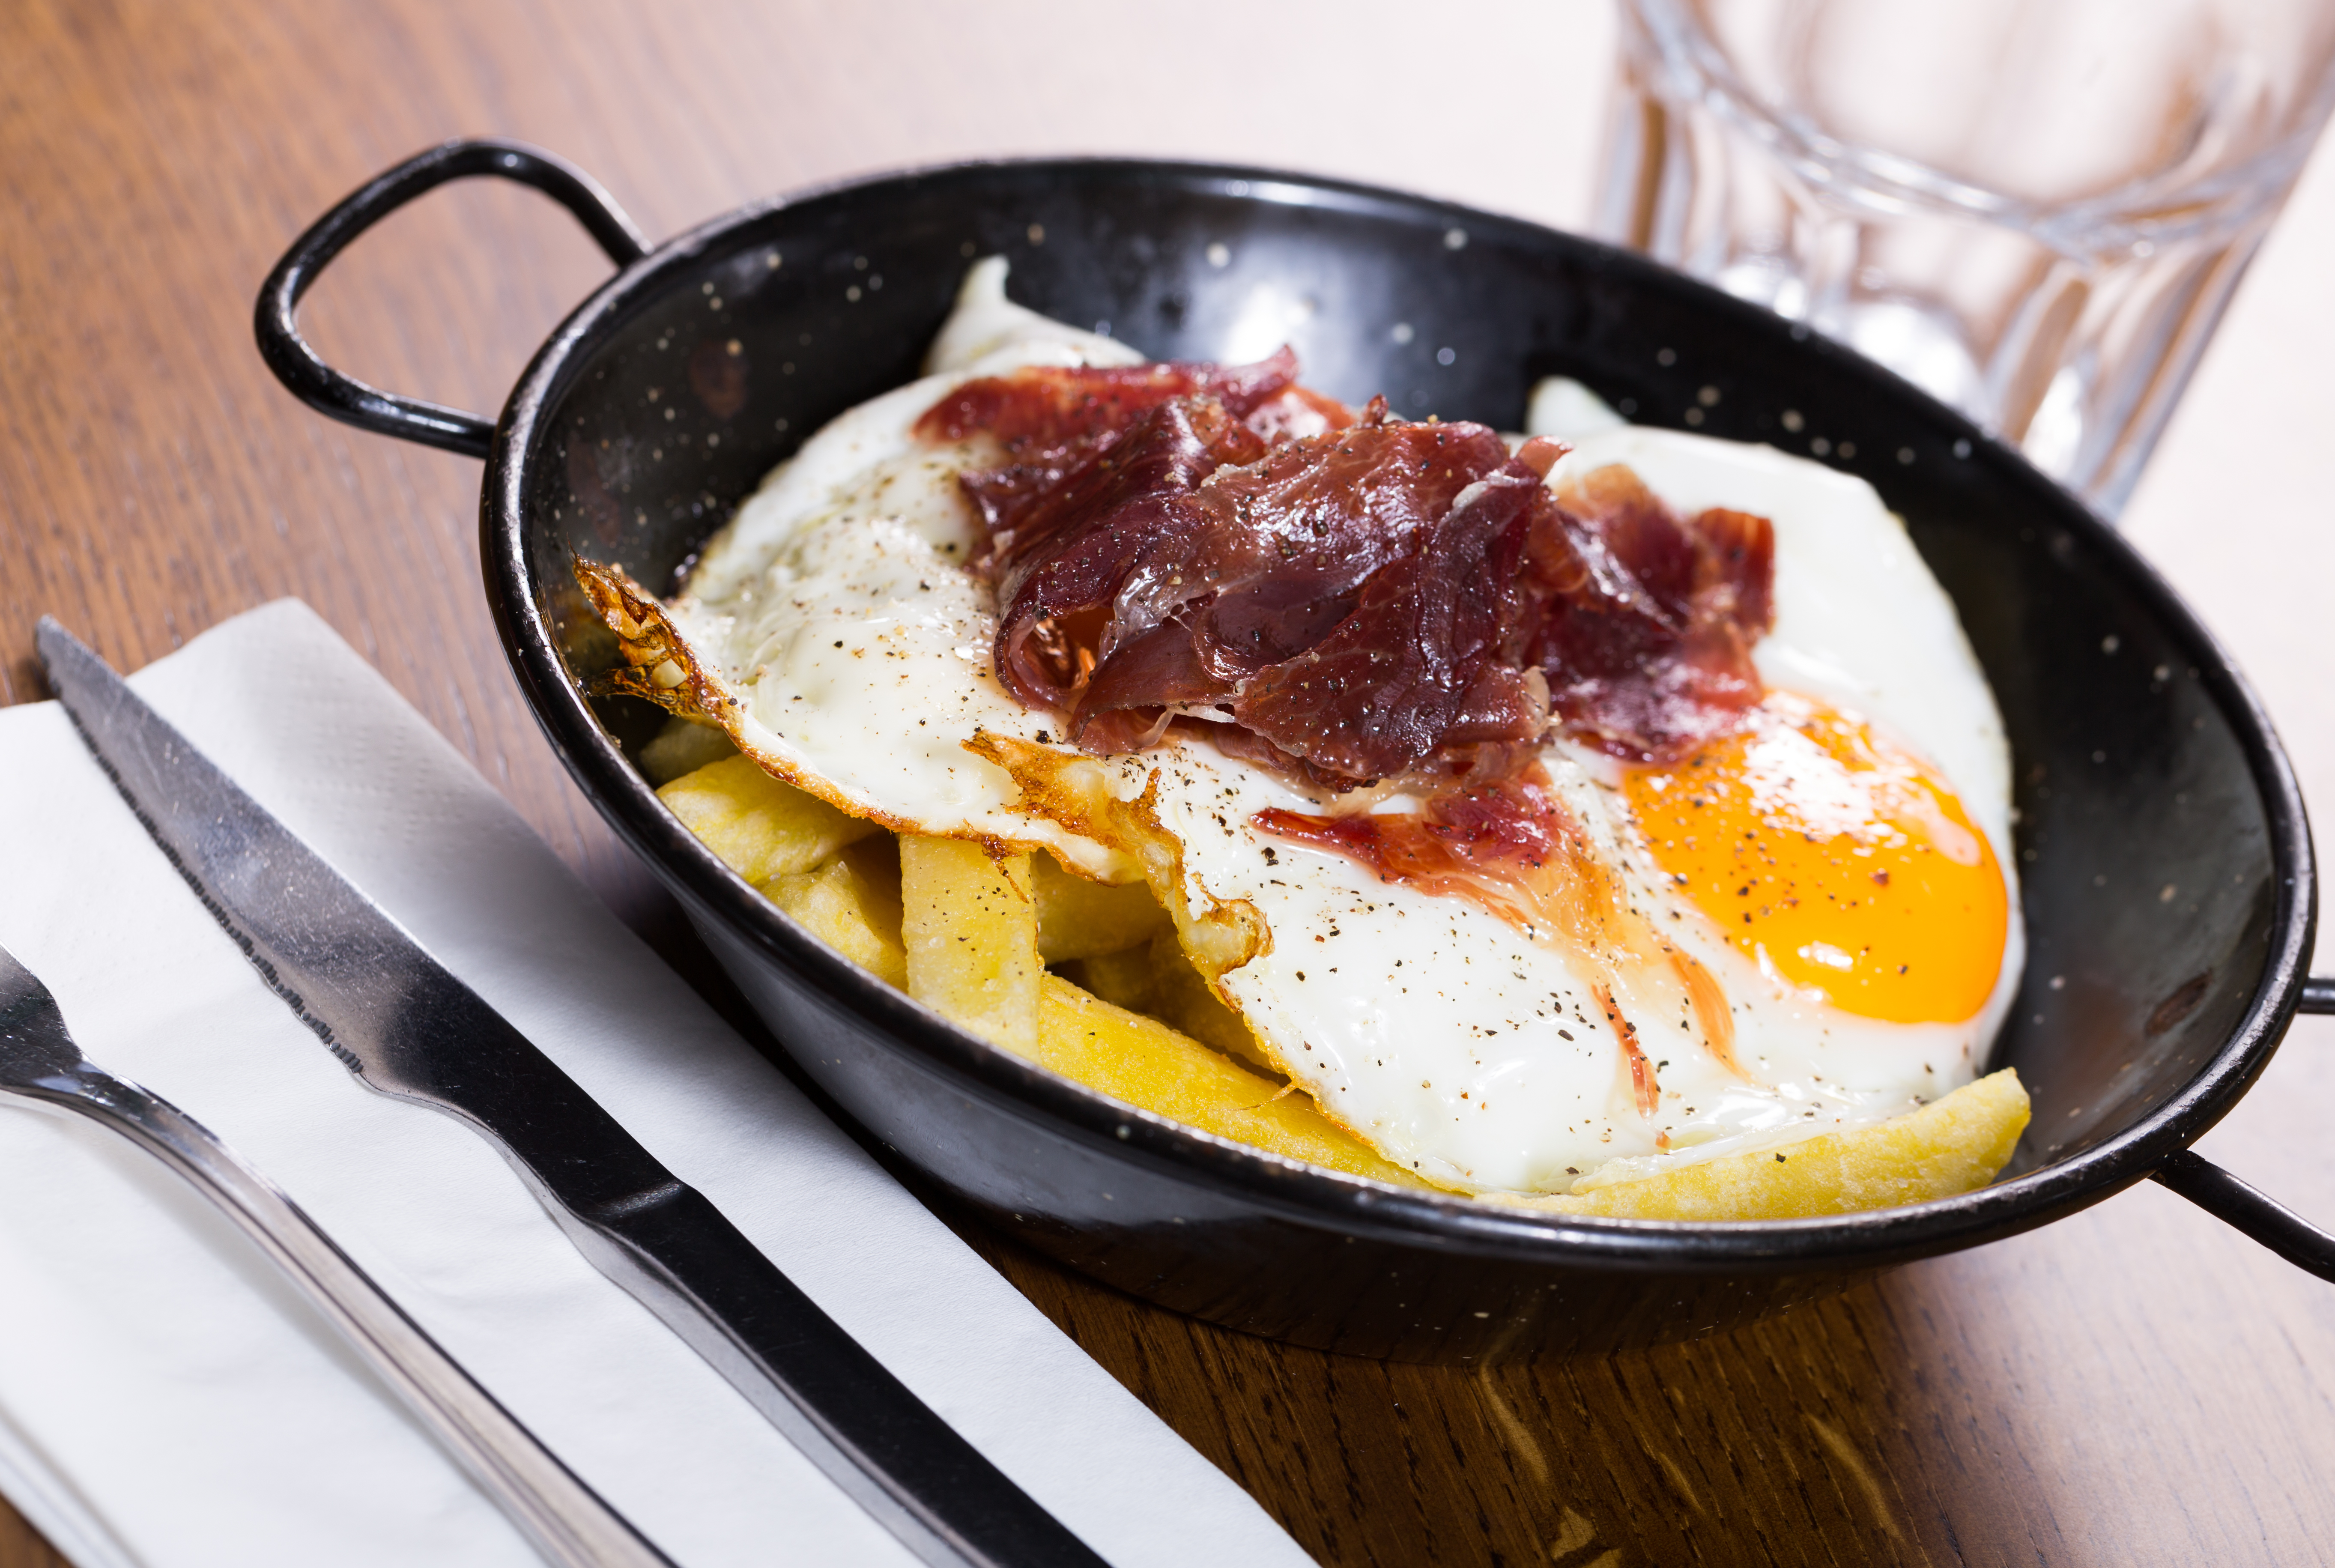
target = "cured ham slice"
x: 1647, y: 633
x: 1354, y: 599
x: 1052, y: 420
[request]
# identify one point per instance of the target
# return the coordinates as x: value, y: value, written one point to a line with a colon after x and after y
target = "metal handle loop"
x: 343, y: 397
x: 2236, y: 1203
x: 2239, y: 1204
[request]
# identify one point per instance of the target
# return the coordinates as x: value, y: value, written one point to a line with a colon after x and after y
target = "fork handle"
x: 567, y: 1521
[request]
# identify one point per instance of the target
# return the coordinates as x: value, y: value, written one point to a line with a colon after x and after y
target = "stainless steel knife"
x: 406, y: 1027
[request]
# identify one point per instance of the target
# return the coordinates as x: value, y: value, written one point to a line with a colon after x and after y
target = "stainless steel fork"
x: 564, y: 1519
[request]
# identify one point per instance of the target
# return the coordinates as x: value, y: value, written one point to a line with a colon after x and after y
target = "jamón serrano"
x: 1352, y: 597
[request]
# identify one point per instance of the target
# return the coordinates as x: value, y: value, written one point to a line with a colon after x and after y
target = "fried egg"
x: 1834, y: 884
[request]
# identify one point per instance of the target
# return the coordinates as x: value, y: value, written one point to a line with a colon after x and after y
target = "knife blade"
x: 406, y: 1027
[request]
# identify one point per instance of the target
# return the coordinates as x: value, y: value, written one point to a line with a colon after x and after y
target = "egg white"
x: 838, y: 608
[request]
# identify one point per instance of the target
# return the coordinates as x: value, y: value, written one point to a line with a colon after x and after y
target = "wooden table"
x: 2135, y: 1385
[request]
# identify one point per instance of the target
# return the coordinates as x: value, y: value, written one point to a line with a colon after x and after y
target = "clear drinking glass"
x: 2036, y: 210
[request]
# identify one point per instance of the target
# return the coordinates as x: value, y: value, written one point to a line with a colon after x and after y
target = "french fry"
x: 760, y: 826
x: 1958, y: 1144
x: 682, y: 747
x: 1124, y: 979
x: 853, y: 904
x: 1081, y: 919
x: 971, y: 929
x: 1151, y: 1066
x: 1183, y: 999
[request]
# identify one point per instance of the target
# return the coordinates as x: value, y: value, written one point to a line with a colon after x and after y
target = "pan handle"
x: 343, y: 397
x: 2265, y: 1219
x: 2235, y: 1203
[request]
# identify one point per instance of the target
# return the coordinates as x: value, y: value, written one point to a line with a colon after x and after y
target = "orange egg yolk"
x: 1835, y: 860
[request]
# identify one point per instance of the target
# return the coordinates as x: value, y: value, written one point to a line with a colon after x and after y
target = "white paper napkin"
x: 165, y: 1401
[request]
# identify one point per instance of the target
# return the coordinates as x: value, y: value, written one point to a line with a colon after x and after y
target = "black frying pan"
x: 2165, y: 863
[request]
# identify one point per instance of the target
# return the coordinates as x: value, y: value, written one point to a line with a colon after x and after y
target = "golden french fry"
x: 683, y: 746
x: 853, y: 904
x: 1124, y: 979
x: 971, y: 928
x: 1149, y: 1065
x: 1951, y: 1147
x: 760, y: 826
x: 1081, y: 919
x: 1183, y: 999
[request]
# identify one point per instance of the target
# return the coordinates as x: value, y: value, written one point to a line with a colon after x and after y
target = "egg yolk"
x: 1835, y: 860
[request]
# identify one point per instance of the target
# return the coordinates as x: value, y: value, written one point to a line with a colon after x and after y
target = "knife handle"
x: 941, y: 1497
x: 565, y: 1520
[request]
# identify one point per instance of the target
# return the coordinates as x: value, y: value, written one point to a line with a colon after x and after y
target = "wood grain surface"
x: 2135, y: 1385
